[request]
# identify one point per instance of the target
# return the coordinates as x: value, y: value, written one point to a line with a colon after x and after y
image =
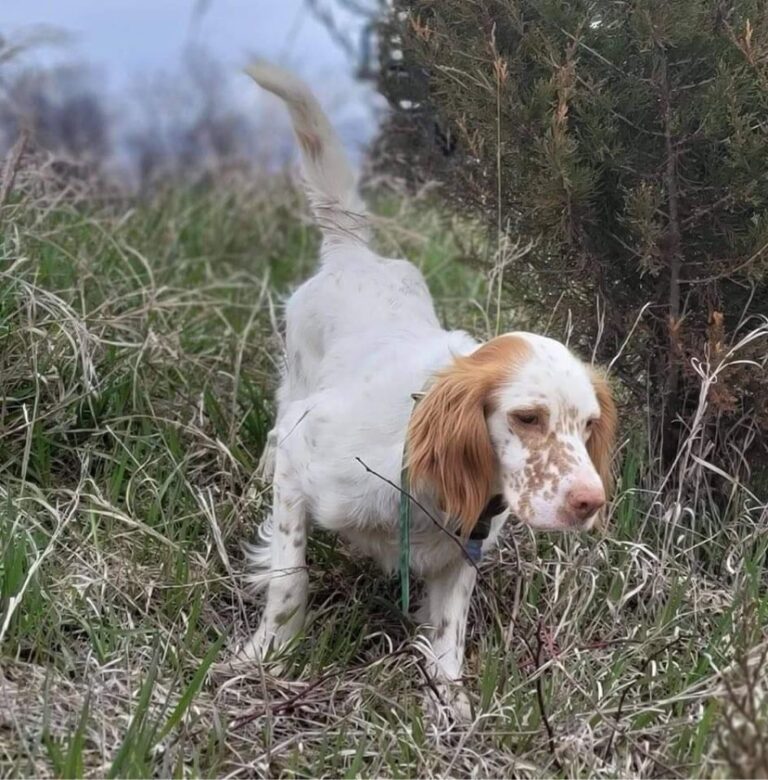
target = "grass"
x: 138, y: 357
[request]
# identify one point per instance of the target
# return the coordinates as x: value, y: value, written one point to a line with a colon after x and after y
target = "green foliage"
x: 628, y: 140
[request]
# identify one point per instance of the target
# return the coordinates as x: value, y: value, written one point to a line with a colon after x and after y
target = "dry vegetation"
x: 139, y: 349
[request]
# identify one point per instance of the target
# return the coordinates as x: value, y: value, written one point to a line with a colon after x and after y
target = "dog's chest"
x: 431, y: 550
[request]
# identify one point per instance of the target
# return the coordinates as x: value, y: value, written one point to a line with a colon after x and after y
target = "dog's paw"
x: 261, y: 650
x: 448, y: 705
x: 458, y: 702
x: 257, y: 648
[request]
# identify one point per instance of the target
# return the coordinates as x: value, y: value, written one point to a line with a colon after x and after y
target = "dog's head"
x: 523, y: 417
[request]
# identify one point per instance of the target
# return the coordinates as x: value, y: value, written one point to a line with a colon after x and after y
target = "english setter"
x: 515, y: 425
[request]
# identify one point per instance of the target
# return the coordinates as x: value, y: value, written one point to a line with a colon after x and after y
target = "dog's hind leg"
x: 285, y: 574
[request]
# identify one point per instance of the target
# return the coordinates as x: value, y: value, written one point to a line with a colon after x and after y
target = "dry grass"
x: 138, y: 354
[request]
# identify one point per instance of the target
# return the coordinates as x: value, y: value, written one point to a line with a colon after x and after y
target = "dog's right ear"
x: 449, y: 446
x: 602, y: 440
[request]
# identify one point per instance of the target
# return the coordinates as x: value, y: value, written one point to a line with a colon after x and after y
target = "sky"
x: 128, y: 42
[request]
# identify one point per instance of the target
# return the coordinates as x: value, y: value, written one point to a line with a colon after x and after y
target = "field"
x: 139, y: 349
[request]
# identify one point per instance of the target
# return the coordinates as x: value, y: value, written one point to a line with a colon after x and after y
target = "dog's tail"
x: 329, y: 179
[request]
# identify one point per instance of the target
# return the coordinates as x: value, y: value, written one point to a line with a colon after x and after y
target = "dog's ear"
x: 602, y: 440
x: 449, y: 447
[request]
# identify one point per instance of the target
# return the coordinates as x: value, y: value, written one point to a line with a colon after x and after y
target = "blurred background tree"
x: 628, y: 141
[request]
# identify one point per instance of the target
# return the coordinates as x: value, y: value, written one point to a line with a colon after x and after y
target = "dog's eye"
x: 526, y: 418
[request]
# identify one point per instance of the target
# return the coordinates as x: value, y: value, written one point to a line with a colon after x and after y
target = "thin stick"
x: 295, y: 699
x: 638, y: 677
x: 540, y: 699
x: 12, y: 165
x: 437, y: 523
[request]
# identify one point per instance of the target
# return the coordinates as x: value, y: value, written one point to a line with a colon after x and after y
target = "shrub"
x: 627, y: 141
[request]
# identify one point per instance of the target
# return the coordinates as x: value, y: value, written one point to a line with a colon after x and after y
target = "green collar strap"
x: 405, y: 524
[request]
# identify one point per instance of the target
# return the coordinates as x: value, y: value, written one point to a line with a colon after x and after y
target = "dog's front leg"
x: 448, y: 596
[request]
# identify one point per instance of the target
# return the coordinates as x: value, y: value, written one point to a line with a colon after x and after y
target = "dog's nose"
x: 583, y: 502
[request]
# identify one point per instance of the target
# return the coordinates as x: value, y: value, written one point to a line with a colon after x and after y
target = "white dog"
x: 517, y: 424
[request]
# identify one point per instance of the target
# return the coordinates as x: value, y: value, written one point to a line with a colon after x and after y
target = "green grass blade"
x: 131, y: 739
x: 191, y: 691
x: 73, y: 762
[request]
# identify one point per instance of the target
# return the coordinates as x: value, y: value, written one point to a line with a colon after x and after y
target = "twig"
x: 672, y: 249
x: 731, y: 271
x: 638, y: 676
x: 421, y: 506
x: 12, y: 165
x: 540, y: 699
x: 295, y: 699
x: 429, y: 679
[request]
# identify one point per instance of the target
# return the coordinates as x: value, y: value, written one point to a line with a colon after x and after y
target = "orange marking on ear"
x: 449, y: 446
x: 602, y: 440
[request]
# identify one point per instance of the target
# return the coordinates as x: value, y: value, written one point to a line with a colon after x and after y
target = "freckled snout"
x: 582, y: 501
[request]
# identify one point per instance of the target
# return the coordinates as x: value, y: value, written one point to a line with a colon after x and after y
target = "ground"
x: 139, y: 350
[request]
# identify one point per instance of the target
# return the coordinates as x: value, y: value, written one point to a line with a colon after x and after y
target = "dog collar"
x: 474, y: 546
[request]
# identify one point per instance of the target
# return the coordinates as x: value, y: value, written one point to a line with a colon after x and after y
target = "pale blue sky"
x: 130, y: 41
